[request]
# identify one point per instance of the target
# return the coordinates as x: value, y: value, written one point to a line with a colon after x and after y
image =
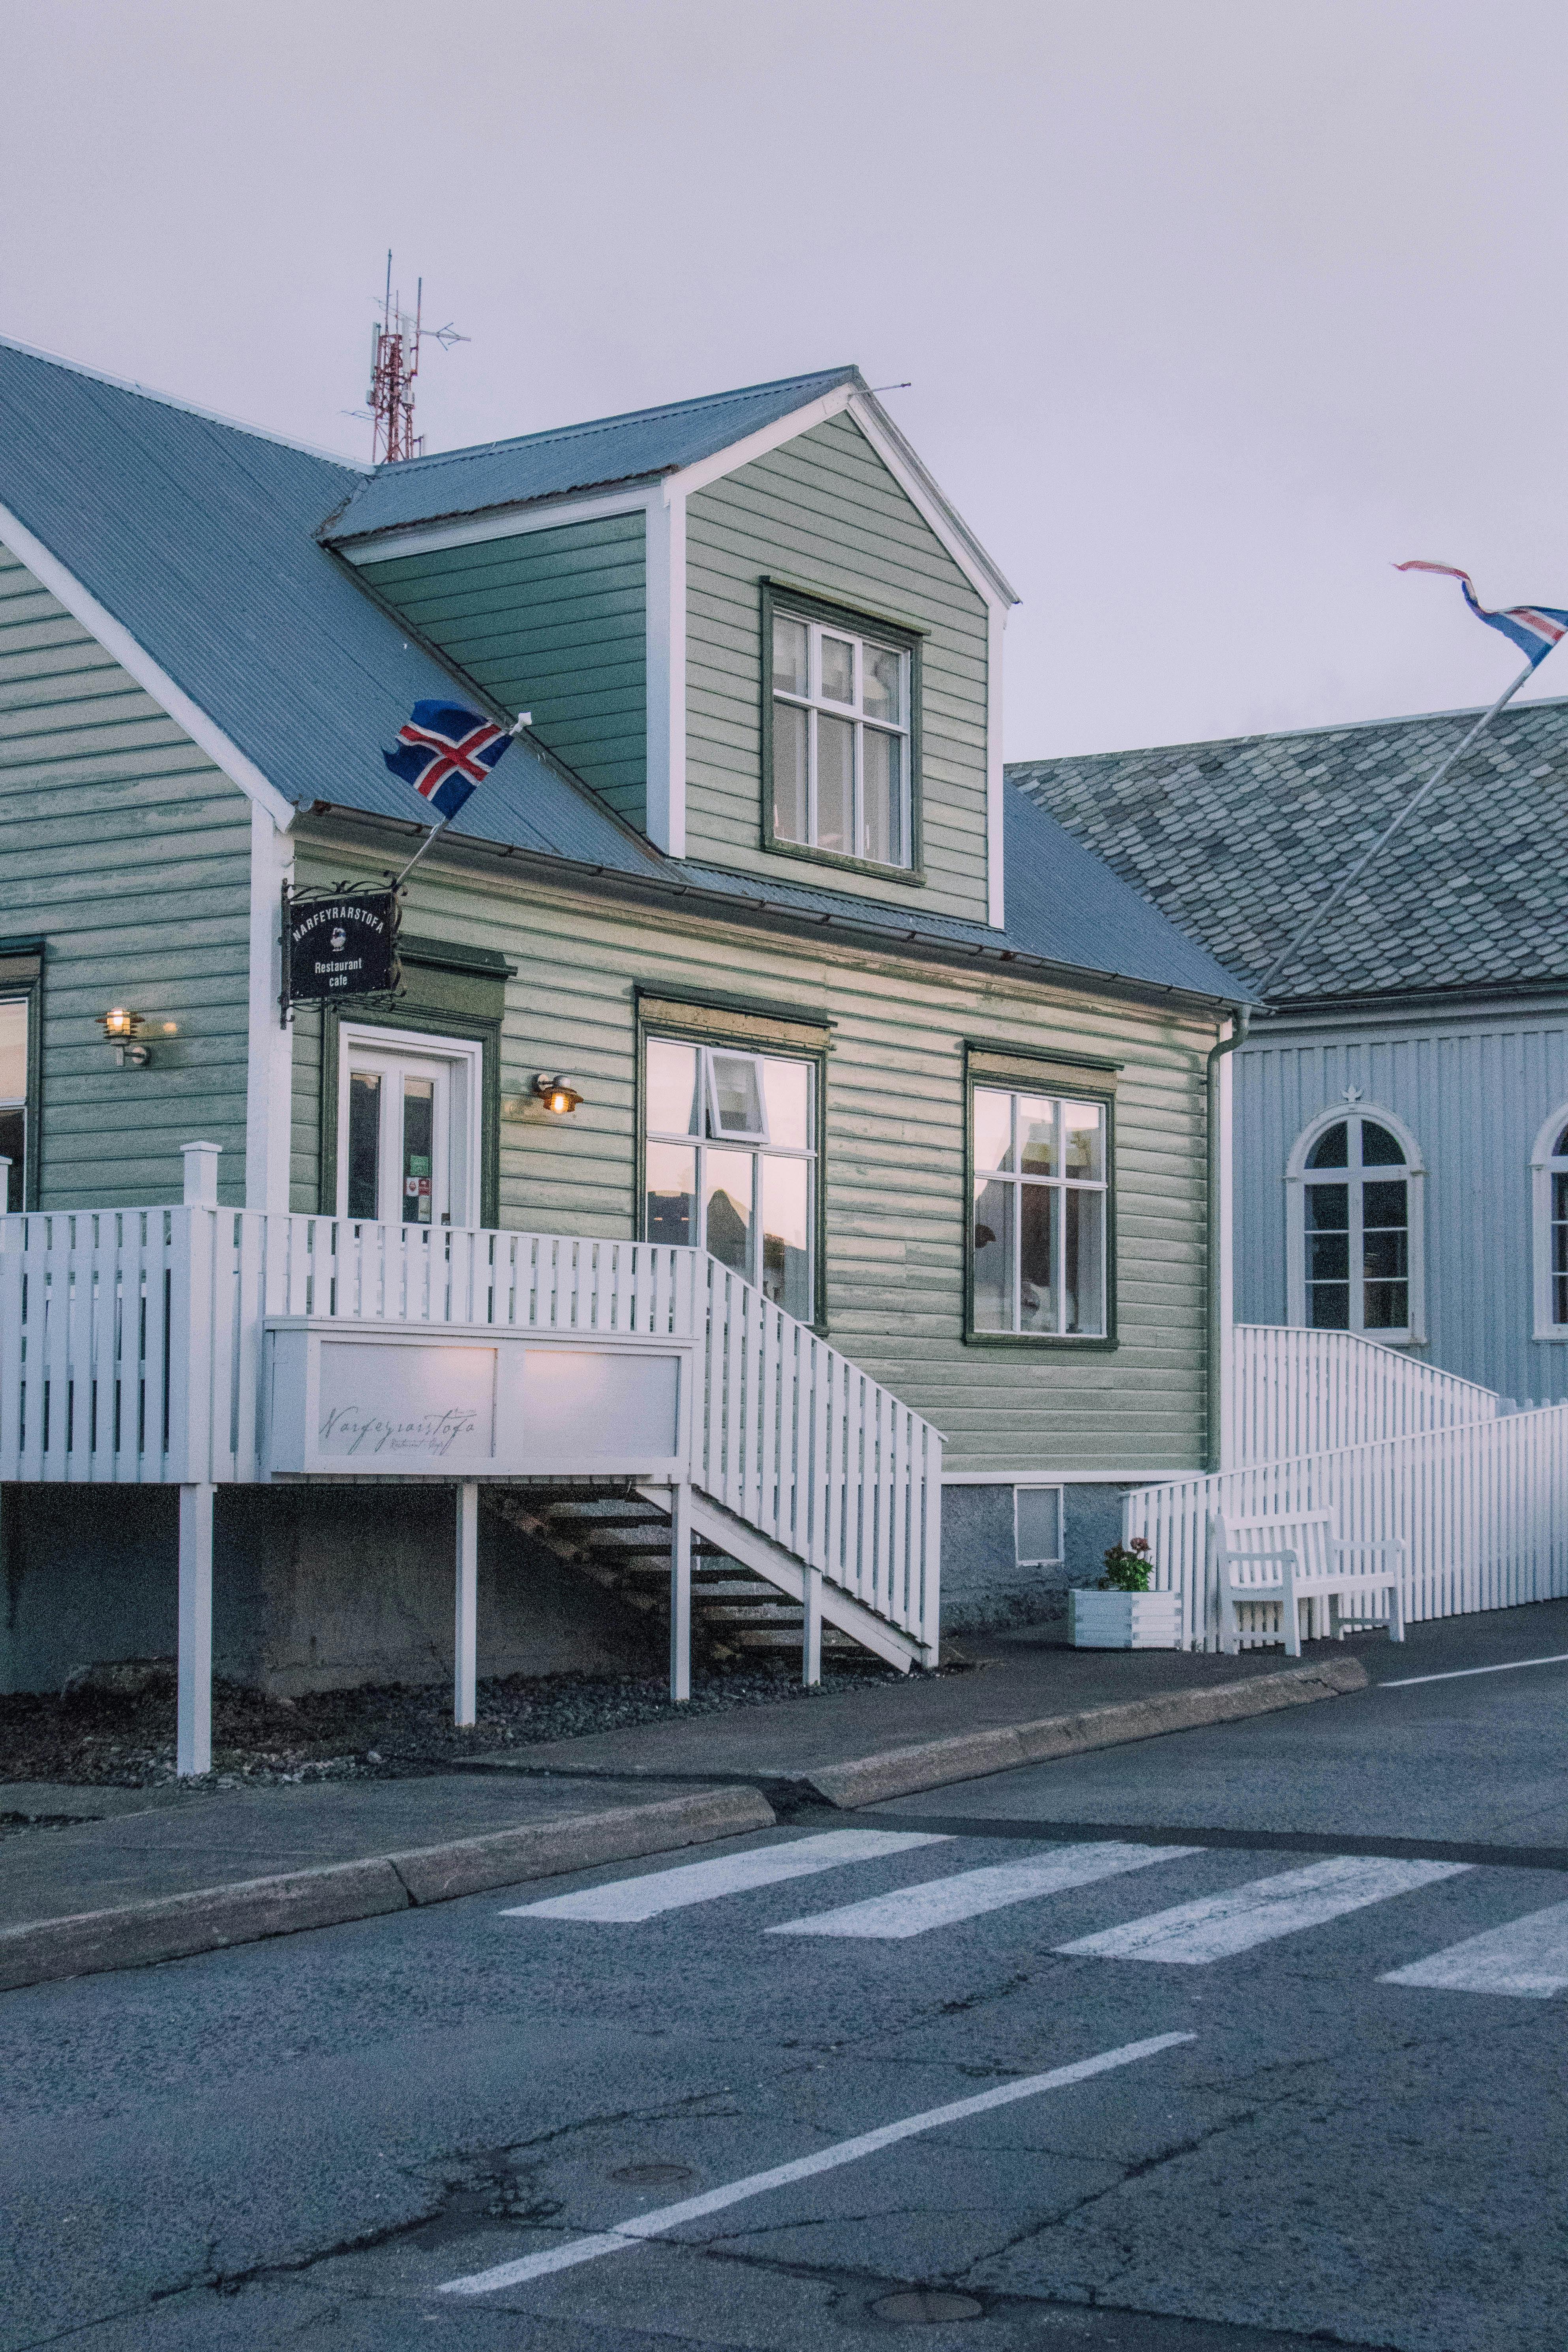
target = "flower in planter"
x: 1128, y: 1567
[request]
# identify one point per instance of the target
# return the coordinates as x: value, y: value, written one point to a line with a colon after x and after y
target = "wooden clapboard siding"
x: 894, y: 1146
x: 552, y: 622
x: 824, y: 511
x: 129, y: 852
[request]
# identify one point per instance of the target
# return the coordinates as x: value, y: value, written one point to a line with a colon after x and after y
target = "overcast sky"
x: 1212, y: 308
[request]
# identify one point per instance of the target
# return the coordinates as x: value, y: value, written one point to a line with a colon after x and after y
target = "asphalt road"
x: 340, y: 2139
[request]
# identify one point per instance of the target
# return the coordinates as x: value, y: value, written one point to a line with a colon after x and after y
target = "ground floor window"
x: 408, y: 1107
x: 1038, y: 1526
x: 730, y: 1161
x: 1039, y: 1213
x: 14, y: 1138
x: 1548, y: 1163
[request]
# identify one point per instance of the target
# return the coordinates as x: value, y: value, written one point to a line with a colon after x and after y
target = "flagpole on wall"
x: 524, y: 719
x: 1338, y: 889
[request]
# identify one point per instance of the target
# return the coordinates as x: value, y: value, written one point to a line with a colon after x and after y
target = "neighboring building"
x: 1402, y: 1106
x: 838, y: 1004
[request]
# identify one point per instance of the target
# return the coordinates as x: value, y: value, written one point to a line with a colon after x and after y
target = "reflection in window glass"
x: 13, y: 1147
x: 1037, y: 1525
x: 13, y: 1050
x: 364, y: 1145
x: 730, y: 1163
x: 791, y: 646
x: 1039, y: 1215
x: 418, y: 1150
x: 791, y: 811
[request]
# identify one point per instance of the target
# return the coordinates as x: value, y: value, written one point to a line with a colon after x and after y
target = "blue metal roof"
x: 199, y: 538
x: 646, y: 441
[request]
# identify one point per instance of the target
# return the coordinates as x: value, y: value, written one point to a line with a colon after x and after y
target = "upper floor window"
x: 842, y: 746
x: 1549, y: 1167
x: 729, y: 1162
x: 1039, y: 1215
x: 1355, y: 1240
x: 14, y: 1137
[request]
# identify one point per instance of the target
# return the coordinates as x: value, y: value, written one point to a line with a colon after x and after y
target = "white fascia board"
x: 139, y: 664
x: 922, y: 493
x: 665, y: 612
x: 995, y: 780
x: 270, y: 1068
x: 697, y: 477
x: 555, y: 514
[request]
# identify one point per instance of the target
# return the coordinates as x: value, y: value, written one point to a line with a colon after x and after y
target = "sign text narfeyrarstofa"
x: 341, y: 946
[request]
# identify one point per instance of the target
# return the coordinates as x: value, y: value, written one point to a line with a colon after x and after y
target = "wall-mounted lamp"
x: 558, y: 1094
x: 123, y: 1030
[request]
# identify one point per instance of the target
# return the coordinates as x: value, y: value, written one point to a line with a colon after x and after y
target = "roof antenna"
x: 394, y: 365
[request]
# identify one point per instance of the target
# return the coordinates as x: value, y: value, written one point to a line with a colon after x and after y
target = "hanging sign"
x: 339, y: 943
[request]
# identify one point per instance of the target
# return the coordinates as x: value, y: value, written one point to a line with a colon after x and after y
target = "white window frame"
x: 1544, y: 1164
x: 466, y: 1055
x: 816, y: 705
x: 1060, y: 1186
x: 1040, y: 1487
x: 1298, y: 1175
x: 758, y: 1144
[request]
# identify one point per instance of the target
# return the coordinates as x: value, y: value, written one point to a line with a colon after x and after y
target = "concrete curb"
x: 173, y: 1927
x: 971, y: 1755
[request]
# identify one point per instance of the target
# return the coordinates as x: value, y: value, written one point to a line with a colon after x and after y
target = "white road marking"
x: 626, y: 1900
x: 1529, y: 1957
x: 658, y: 2224
x: 916, y: 1910
x: 1463, y: 1674
x: 1219, y: 1925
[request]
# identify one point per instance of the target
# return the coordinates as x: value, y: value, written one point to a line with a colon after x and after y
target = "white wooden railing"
x: 1294, y: 1392
x: 1483, y: 1506
x: 131, y: 1343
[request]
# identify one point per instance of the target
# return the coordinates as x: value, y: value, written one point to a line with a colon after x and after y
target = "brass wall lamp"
x: 558, y: 1094
x: 123, y: 1030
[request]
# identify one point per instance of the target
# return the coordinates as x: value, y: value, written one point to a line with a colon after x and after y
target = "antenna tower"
x: 394, y: 365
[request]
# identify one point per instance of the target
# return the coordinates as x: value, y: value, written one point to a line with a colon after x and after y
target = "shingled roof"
x: 1235, y: 841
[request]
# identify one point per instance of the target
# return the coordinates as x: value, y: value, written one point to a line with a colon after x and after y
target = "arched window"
x: 1356, y: 1183
x: 1549, y: 1172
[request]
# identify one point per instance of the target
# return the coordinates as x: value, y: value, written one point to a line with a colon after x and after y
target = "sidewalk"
x: 139, y: 1875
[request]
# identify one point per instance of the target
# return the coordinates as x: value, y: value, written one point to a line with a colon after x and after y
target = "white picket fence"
x: 1295, y: 1392
x: 1483, y: 1506
x: 132, y: 1344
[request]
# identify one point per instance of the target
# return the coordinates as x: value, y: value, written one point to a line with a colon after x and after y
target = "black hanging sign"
x: 339, y: 943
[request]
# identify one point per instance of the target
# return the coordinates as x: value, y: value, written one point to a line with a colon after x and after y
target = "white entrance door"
x: 406, y: 1147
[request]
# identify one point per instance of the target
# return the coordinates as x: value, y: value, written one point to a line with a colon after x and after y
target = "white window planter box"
x: 1123, y: 1621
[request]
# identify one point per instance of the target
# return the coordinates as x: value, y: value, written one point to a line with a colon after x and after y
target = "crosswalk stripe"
x: 1529, y: 1957
x: 626, y: 1900
x: 1219, y: 1925
x: 938, y: 1902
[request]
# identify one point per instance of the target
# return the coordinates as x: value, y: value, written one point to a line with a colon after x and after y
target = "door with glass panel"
x: 729, y: 1162
x: 402, y: 1156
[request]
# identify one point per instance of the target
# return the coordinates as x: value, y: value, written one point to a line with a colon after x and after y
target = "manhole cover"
x: 926, y: 2307
x: 653, y: 2175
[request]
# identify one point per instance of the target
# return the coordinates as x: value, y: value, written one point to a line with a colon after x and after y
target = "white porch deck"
x: 198, y: 1347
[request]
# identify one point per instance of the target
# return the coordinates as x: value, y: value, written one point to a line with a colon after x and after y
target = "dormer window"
x: 841, y: 743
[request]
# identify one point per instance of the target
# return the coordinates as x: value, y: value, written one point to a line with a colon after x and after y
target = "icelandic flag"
x: 444, y: 751
x: 1534, y: 628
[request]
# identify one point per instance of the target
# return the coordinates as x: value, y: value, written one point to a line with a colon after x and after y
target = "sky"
x: 1209, y: 310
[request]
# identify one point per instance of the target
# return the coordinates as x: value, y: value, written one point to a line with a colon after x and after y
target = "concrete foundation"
x: 982, y: 1582
x: 312, y: 1590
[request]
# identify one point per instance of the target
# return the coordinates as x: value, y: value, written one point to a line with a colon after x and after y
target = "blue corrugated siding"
x: 1474, y: 1093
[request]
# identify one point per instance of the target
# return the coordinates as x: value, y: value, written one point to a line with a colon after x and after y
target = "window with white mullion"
x: 1549, y: 1162
x: 841, y: 742
x: 729, y: 1159
x: 1038, y: 1216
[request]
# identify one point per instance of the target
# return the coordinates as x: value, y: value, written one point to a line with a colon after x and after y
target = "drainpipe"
x: 1220, y: 1243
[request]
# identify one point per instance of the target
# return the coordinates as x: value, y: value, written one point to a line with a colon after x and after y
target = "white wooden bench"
x: 1271, y: 1568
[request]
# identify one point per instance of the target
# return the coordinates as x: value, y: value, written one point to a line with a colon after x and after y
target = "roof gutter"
x: 1217, y: 1356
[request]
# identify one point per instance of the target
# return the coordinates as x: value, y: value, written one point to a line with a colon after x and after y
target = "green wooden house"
x: 746, y: 1017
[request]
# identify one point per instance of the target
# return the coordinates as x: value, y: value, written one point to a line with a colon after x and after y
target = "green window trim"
x: 702, y: 1020
x: 1084, y: 1080
x: 857, y: 621
x: 449, y: 991
x: 22, y: 977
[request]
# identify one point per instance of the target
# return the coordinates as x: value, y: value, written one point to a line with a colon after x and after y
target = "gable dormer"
x: 752, y: 623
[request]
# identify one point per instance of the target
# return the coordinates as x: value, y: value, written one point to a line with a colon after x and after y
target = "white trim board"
x: 270, y: 1060
x: 137, y: 663
x: 500, y: 522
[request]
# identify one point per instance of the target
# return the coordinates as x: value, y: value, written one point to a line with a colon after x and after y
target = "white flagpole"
x: 1338, y: 890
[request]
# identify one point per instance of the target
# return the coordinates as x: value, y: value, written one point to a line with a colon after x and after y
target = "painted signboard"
x: 382, y: 1402
x: 341, y: 943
